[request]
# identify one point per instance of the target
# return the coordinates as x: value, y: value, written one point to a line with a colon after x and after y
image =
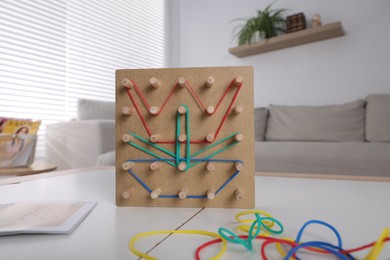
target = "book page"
x: 42, y: 217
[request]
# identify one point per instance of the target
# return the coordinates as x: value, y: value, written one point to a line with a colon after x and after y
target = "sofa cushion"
x: 106, y: 159
x: 335, y: 158
x: 261, y: 115
x: 339, y: 123
x: 94, y: 109
x: 378, y: 118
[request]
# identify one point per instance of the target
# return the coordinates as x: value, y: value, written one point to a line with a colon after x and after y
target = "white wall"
x: 327, y: 72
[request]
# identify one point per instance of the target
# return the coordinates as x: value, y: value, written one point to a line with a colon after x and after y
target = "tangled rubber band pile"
x: 260, y: 228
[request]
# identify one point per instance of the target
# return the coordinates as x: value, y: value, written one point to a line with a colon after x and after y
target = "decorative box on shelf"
x: 295, y: 22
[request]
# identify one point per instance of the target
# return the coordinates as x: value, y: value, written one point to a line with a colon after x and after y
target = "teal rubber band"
x: 188, y: 146
x: 152, y: 144
x: 152, y: 154
x: 233, y: 238
x: 212, y: 145
x: 253, y: 232
x: 178, y: 127
x: 257, y: 222
x: 268, y: 229
x: 178, y: 144
x: 215, y: 153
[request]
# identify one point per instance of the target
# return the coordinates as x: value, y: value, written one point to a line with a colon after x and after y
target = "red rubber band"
x: 270, y: 240
x: 194, y: 94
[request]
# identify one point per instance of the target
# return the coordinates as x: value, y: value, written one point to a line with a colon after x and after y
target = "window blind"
x: 54, y: 52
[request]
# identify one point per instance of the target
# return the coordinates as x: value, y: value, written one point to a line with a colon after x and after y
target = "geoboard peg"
x: 182, y: 82
x: 127, y: 138
x: 238, y: 109
x: 210, y: 138
x: 155, y: 138
x: 154, y: 110
x: 182, y: 138
x: 210, y: 110
x: 127, y: 165
x: 238, y: 166
x: 154, y: 166
x: 238, y: 137
x: 128, y: 193
x: 210, y: 166
x: 238, y: 194
x: 155, y: 193
x: 183, y: 193
x: 128, y: 111
x: 154, y: 82
x: 211, y: 194
x: 182, y: 166
x: 210, y: 81
x: 127, y: 83
x: 182, y: 110
x: 238, y: 80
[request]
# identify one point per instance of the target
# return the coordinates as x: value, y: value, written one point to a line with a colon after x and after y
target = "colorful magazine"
x: 17, y: 141
x: 19, y: 126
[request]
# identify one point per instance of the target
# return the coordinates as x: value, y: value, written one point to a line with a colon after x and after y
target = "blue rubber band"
x: 176, y: 196
x: 139, y: 180
x: 321, y: 245
x: 320, y: 222
x: 226, y: 182
x: 192, y: 160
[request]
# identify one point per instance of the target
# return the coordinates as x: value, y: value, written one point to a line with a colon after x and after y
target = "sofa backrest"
x: 334, y: 123
x: 378, y: 118
x: 88, y: 109
x: 261, y: 116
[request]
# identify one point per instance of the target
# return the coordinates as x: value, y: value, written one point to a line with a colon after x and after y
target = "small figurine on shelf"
x: 316, y: 20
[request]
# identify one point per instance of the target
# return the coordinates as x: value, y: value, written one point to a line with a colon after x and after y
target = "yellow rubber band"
x: 162, y: 232
x: 375, y: 251
x: 251, y: 211
x: 245, y: 228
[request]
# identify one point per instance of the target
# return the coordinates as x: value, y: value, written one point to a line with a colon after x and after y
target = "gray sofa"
x: 347, y: 139
x: 78, y: 143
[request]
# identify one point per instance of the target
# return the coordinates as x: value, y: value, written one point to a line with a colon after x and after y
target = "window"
x: 54, y: 52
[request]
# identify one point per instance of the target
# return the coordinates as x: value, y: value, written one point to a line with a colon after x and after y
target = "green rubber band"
x: 215, y: 153
x: 212, y: 145
x: 152, y: 144
x: 269, y: 230
x: 233, y: 238
x: 152, y: 154
x: 188, y: 144
x: 178, y: 145
x: 178, y: 129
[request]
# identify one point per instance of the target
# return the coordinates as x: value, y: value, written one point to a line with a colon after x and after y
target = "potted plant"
x: 268, y: 23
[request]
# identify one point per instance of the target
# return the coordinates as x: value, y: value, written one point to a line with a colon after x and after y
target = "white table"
x: 359, y: 210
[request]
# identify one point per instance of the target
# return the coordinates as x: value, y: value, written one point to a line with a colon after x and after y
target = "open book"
x: 42, y: 217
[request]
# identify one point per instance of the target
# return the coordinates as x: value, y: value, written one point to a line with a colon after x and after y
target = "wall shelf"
x: 291, y: 39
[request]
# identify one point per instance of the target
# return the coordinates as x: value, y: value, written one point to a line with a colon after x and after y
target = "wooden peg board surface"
x: 215, y: 173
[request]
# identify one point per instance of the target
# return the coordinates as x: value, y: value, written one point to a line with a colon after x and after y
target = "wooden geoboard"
x: 185, y: 137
